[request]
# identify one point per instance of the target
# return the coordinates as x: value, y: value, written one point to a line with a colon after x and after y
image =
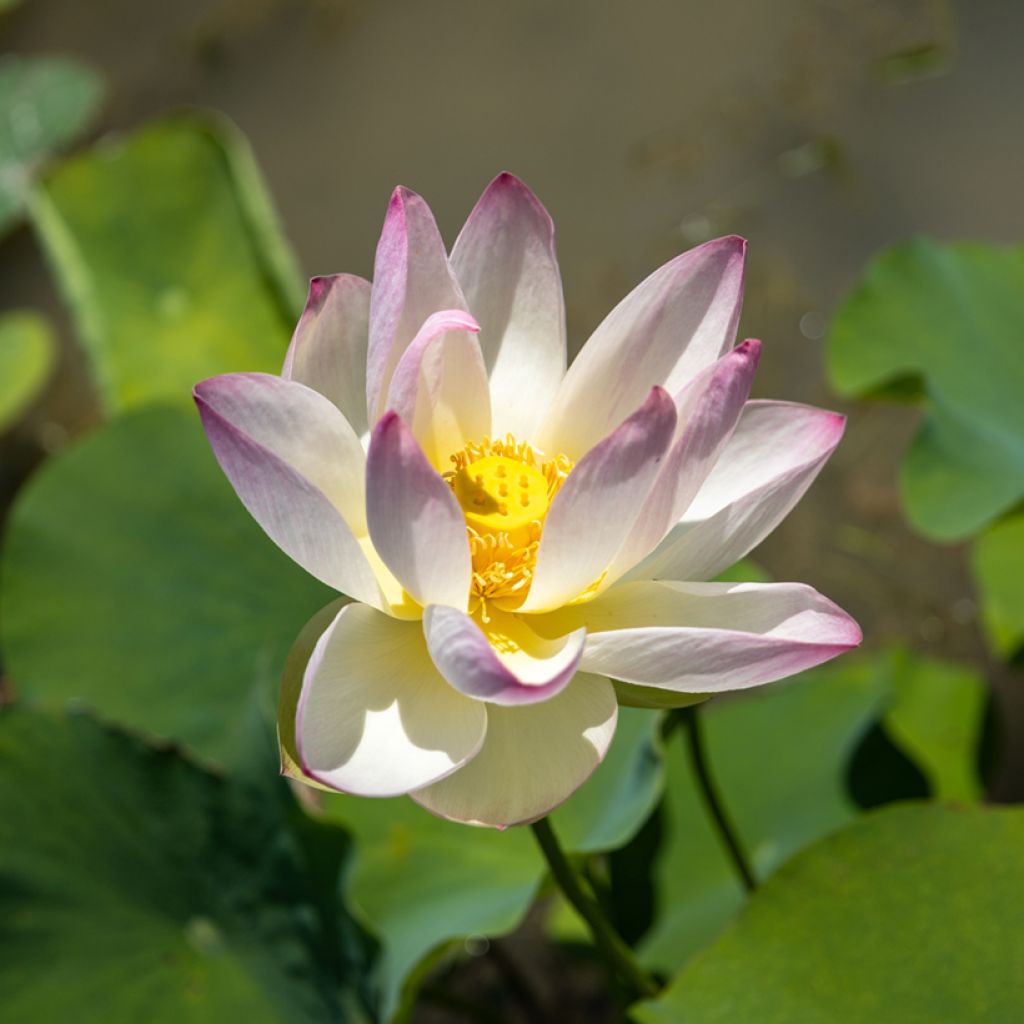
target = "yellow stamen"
x: 505, y: 488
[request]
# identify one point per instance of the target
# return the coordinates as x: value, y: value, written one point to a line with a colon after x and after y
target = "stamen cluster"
x: 503, y: 560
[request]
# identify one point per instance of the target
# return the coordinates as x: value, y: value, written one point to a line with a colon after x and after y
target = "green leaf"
x: 935, y: 714
x: 911, y: 914
x: 778, y: 757
x: 27, y: 358
x: 45, y: 104
x: 134, y: 580
x: 998, y: 564
x: 168, y: 252
x: 951, y: 315
x: 135, y: 886
x: 609, y: 808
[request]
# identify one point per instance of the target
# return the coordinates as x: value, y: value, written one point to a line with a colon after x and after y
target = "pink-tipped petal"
x: 773, y: 456
x: 679, y: 320
x: 533, y: 758
x: 374, y: 717
x: 706, y: 637
x: 593, y: 513
x: 328, y: 348
x: 709, y: 409
x: 411, y: 280
x: 440, y: 386
x: 272, y: 439
x: 503, y: 661
x: 505, y: 261
x: 415, y: 521
x: 301, y: 427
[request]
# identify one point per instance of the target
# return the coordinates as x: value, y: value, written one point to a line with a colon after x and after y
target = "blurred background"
x: 824, y: 131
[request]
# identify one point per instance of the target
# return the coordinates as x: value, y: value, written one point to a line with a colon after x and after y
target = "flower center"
x: 501, y: 494
x: 504, y: 488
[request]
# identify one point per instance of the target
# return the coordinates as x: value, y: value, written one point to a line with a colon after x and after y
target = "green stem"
x: 616, y: 953
x: 702, y: 769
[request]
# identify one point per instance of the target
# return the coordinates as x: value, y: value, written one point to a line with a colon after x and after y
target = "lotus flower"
x: 512, y: 535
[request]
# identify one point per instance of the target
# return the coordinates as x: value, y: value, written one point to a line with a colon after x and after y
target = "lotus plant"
x: 523, y: 546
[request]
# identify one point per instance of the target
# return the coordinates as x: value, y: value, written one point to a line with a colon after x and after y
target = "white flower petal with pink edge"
x: 532, y: 759
x: 297, y: 466
x: 594, y: 511
x: 505, y: 262
x: 411, y: 280
x: 679, y: 320
x: 773, y: 456
x: 708, y: 409
x: 503, y: 660
x: 328, y: 349
x: 706, y: 637
x: 375, y: 718
x: 415, y: 522
x: 439, y: 387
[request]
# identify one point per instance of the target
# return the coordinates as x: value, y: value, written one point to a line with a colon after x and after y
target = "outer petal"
x: 411, y: 280
x: 594, y: 511
x: 375, y: 718
x: 706, y: 637
x: 328, y: 349
x: 709, y: 409
x: 533, y: 758
x: 776, y: 451
x: 415, y: 522
x: 271, y: 438
x: 672, y: 325
x: 440, y: 386
x: 504, y: 662
x: 505, y: 261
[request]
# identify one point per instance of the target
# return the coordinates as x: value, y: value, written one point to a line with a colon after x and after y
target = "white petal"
x: 273, y: 439
x: 439, y: 387
x: 773, y: 456
x: 502, y: 661
x: 672, y: 325
x: 302, y: 428
x: 533, y: 758
x: 415, y: 522
x: 375, y: 717
x: 709, y: 409
x: 706, y: 637
x: 505, y: 261
x: 592, y: 514
x: 411, y: 280
x: 328, y: 348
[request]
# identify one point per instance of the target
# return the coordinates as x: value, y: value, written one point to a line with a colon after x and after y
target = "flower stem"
x: 690, y: 717
x: 616, y: 953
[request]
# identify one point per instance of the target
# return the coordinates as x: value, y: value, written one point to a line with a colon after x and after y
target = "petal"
x: 672, y: 325
x: 533, y: 758
x: 328, y: 349
x: 440, y: 386
x: 411, y: 280
x: 415, y: 521
x: 300, y: 427
x: 709, y: 410
x: 504, y: 662
x: 272, y: 438
x: 374, y: 717
x: 773, y: 456
x: 505, y: 261
x: 706, y: 637
x: 594, y: 511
